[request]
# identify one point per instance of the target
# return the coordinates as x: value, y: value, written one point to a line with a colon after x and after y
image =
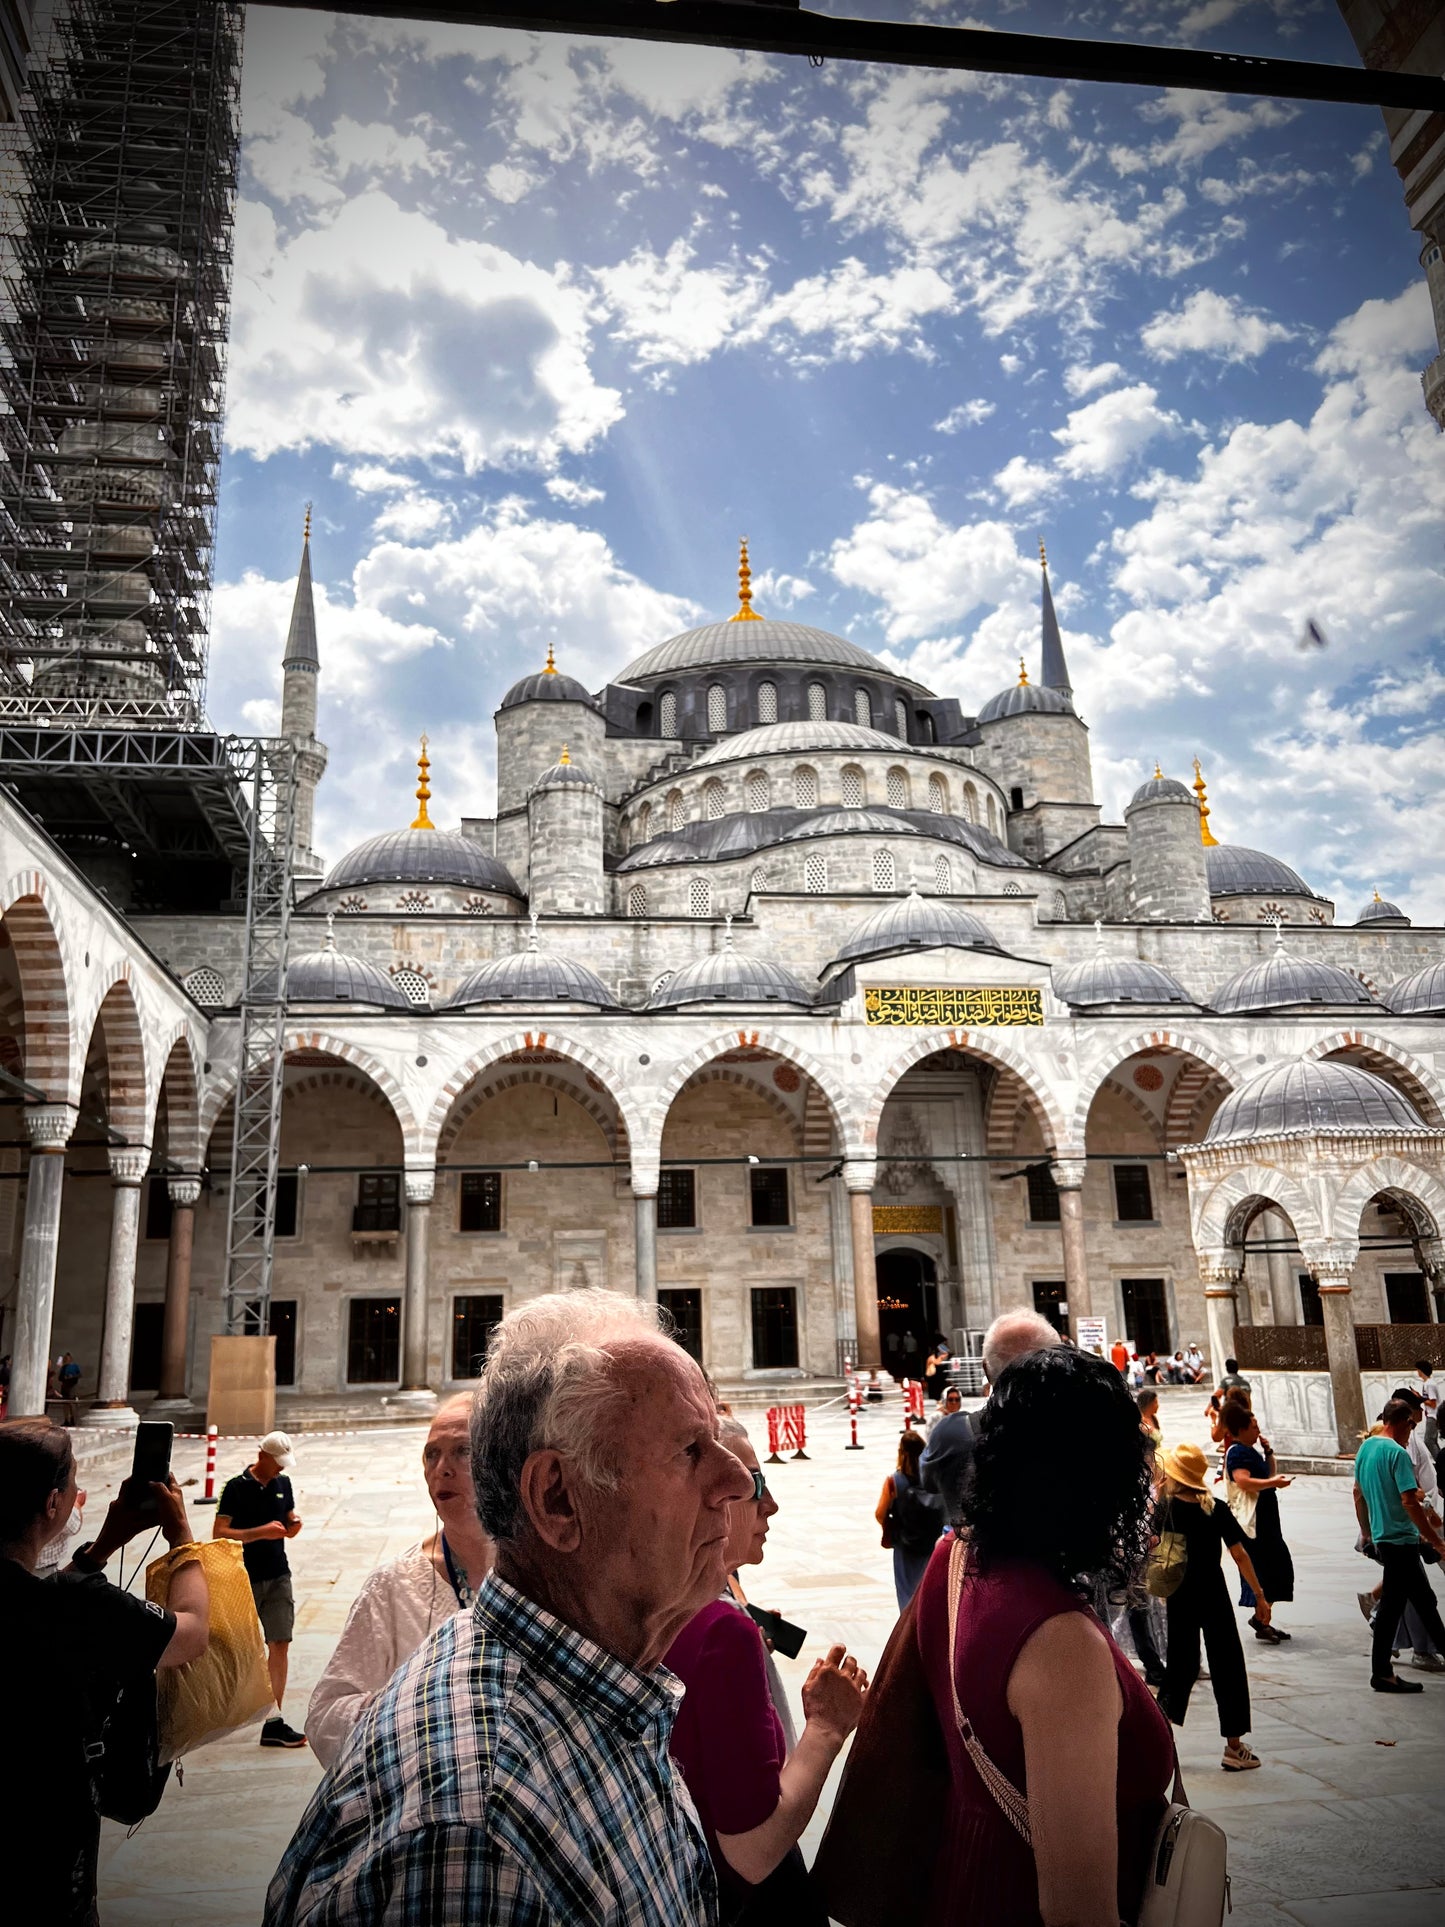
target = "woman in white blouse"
x: 401, y: 1604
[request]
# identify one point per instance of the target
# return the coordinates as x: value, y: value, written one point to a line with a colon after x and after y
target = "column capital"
x: 185, y: 1193
x: 860, y: 1174
x: 1330, y: 1264
x: 1068, y: 1172
x: 421, y: 1185
x: 129, y: 1163
x: 646, y: 1176
x: 48, y: 1126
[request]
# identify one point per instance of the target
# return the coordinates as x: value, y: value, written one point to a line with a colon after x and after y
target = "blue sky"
x: 542, y: 326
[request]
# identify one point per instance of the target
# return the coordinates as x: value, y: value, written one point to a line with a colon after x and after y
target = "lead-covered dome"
x: 332, y: 976
x: 851, y: 823
x: 547, y: 686
x: 1284, y: 982
x: 1162, y: 789
x: 1235, y: 871
x: 1026, y: 699
x: 718, y: 644
x: 1421, y: 995
x: 1117, y: 980
x: 422, y: 856
x: 916, y: 923
x: 1314, y: 1095
x: 1377, y: 911
x: 531, y: 976
x: 729, y: 976
x: 796, y: 739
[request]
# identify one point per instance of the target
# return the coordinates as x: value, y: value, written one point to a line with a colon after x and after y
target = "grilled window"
x: 207, y: 987
x: 481, y: 1201
x: 637, y: 901
x: 900, y: 718
x: 942, y: 876
x: 667, y: 713
x: 699, y: 897
x: 815, y: 875
x: 817, y: 703
x: 1043, y: 1195
x: 713, y: 802
x: 863, y: 708
x: 757, y: 791
x: 767, y: 702
x: 852, y: 788
x: 676, y: 814
x: 970, y: 802
x: 805, y: 788
x: 897, y: 789
x: 717, y: 707
x: 677, y: 1201
x: 938, y: 796
x: 884, y: 870
x: 769, y: 1196
x: 412, y: 985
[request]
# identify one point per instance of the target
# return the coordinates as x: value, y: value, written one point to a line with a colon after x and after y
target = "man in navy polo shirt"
x: 258, y: 1510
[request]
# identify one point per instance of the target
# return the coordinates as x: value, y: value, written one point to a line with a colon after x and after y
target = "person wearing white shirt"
x: 1428, y: 1392
x: 401, y: 1604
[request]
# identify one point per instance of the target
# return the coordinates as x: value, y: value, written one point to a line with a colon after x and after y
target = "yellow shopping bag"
x: 228, y: 1686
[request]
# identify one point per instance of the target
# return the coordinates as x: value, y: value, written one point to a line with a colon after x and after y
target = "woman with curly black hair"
x: 1059, y: 1758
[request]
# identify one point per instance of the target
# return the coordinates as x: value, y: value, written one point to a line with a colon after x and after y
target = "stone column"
x: 1337, y: 1304
x: 49, y: 1132
x: 859, y: 1178
x: 1069, y: 1177
x: 1220, y: 1279
x: 416, y: 1394
x: 1284, y: 1295
x: 644, y: 1206
x: 175, y: 1325
x: 112, y: 1399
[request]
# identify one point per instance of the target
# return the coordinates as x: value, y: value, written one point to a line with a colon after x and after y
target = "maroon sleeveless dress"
x: 985, y: 1871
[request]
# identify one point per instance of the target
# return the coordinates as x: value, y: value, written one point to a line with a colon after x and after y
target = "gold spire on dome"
x: 1378, y: 897
x: 551, y: 666
x: 746, y: 611
x: 423, y: 790
x: 306, y: 528
x: 1043, y: 554
x: 1023, y: 674
x: 1158, y: 773
x: 1206, y: 835
x: 565, y: 759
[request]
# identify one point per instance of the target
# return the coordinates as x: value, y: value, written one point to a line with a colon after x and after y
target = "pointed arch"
x: 181, y: 1082
x: 1132, y: 1101
x: 528, y: 1043
x: 325, y: 1044
x: 1053, y: 1119
x: 128, y: 1091
x: 48, y: 1038
x: 728, y: 1074
x: 1419, y: 1083
x: 685, y: 1068
x: 1116, y: 1051
x: 484, y: 1087
x: 1222, y: 1212
x: 1419, y: 1193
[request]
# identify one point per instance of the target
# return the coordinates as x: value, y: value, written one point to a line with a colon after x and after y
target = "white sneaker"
x: 1428, y: 1662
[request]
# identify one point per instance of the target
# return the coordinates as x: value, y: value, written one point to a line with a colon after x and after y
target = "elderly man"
x: 950, y: 1439
x: 516, y: 1769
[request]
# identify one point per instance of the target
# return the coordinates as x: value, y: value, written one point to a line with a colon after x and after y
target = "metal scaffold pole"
x: 256, y: 1115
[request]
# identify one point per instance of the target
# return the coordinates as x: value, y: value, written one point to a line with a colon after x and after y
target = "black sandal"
x: 1266, y: 1633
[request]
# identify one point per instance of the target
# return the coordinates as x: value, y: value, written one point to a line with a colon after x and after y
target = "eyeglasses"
x: 760, y: 1487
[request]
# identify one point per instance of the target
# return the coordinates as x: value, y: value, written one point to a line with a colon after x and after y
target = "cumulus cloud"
x: 968, y: 414
x: 1104, y: 435
x: 926, y: 575
x: 1210, y: 323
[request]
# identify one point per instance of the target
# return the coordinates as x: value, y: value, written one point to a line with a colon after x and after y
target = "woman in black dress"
x: 1249, y: 1467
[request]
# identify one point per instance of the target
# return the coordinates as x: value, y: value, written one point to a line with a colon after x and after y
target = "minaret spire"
x: 301, y: 636
x: 746, y: 611
x: 1206, y: 835
x: 1055, y: 670
x: 423, y: 789
x: 300, y: 676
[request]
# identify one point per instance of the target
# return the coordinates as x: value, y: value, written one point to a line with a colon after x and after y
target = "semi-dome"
x: 1313, y: 1095
x: 332, y: 976
x: 1026, y: 699
x: 1283, y: 982
x: 1378, y: 911
x: 916, y: 923
x: 1117, y: 980
x: 796, y: 739
x: 547, y: 686
x: 1161, y: 789
x: 531, y: 976
x: 422, y: 856
x: 1235, y: 871
x: 1421, y: 995
x: 850, y: 823
x: 730, y: 976
x: 722, y: 644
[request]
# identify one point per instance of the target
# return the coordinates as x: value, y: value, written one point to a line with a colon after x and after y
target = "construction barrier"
x: 795, y: 1429
x: 774, y: 1457
x: 912, y: 1401
x: 208, y: 1497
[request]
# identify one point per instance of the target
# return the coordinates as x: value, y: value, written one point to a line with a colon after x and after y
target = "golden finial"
x: 1043, y: 554
x: 1206, y: 835
x: 746, y: 611
x: 1158, y: 773
x: 1023, y: 674
x: 565, y: 759
x: 306, y: 530
x: 1378, y: 897
x: 551, y: 668
x: 423, y: 790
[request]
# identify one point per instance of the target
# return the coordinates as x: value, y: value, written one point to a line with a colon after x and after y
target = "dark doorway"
x: 1146, y: 1314
x: 473, y: 1321
x: 1309, y: 1297
x: 907, y: 1310
x: 145, y: 1348
x: 373, y: 1341
x: 775, y: 1327
x: 685, y: 1310
x: 1406, y: 1298
x: 1050, y: 1298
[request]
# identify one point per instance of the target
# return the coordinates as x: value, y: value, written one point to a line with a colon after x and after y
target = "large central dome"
x: 719, y: 643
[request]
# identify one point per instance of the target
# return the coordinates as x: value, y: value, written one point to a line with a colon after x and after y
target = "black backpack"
x: 916, y: 1519
x: 122, y: 1753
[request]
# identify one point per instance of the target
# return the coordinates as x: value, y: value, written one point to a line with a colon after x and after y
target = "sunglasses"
x: 760, y: 1487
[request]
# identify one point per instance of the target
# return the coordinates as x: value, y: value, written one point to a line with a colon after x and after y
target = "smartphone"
x: 151, y: 1463
x: 786, y: 1637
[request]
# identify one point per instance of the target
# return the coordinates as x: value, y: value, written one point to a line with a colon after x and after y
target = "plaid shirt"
x: 512, y: 1774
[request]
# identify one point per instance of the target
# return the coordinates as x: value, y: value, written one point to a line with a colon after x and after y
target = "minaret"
x: 746, y: 611
x: 1055, y: 669
x: 300, y: 667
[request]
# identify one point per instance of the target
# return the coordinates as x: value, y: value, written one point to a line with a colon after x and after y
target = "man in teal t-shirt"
x: 1393, y: 1522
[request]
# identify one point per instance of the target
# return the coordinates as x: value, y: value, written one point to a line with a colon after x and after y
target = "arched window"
x: 938, y: 795
x: 758, y: 881
x: 885, y: 875
x: 713, y: 801
x: 852, y: 788
x: 863, y: 708
x: 926, y: 731
x: 207, y: 987
x: 756, y: 790
x: 815, y: 875
x: 413, y: 986
x: 767, y: 702
x: 637, y: 901
x: 900, y: 717
x: 817, y: 703
x: 942, y: 875
x: 970, y: 802
x: 667, y: 713
x: 805, y: 788
x: 992, y: 818
x: 717, y: 708
x: 644, y: 719
x: 897, y: 788
x: 624, y: 838
x: 699, y: 897
x: 644, y: 822
x: 676, y: 815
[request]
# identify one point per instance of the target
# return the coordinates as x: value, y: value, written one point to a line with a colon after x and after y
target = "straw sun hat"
x: 1187, y: 1465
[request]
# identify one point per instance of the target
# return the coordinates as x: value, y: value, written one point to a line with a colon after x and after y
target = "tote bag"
x: 228, y: 1686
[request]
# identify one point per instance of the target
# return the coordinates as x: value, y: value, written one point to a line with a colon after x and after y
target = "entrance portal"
x: 907, y: 1310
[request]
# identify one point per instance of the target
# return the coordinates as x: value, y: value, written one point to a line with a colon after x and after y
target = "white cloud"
x: 927, y: 576
x: 1020, y: 480
x: 968, y: 414
x: 1201, y: 123
x: 672, y: 311
x: 780, y: 590
x: 1210, y: 323
x: 1080, y: 379
x: 1105, y: 434
x: 575, y: 494
x: 856, y: 310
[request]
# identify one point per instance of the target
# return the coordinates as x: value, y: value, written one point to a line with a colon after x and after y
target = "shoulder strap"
x: 1011, y: 1803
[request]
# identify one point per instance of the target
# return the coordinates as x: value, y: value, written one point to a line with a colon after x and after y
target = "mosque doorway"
x: 907, y: 1310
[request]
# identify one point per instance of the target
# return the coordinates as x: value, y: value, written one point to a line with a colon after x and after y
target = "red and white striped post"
x: 208, y: 1497
x: 853, y: 1398
x: 774, y: 1457
x: 917, y: 1398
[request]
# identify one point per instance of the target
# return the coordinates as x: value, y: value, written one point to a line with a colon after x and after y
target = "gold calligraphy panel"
x: 896, y: 1220
x: 939, y: 1007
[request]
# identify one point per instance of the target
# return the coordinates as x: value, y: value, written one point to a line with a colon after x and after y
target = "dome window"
x: 885, y: 875
x: 897, y: 789
x: 767, y: 702
x: 970, y: 801
x: 714, y: 803
x: 900, y: 717
x: 758, y: 881
x: 717, y: 708
x: 815, y: 875
x: 992, y: 818
x: 667, y: 713
x: 757, y: 791
x: 637, y: 901
x: 413, y: 986
x: 817, y: 703
x: 852, y: 788
x: 699, y: 897
x: 938, y: 796
x: 942, y: 876
x: 927, y: 733
x: 676, y: 815
x: 206, y: 987
x: 805, y: 788
x: 863, y: 708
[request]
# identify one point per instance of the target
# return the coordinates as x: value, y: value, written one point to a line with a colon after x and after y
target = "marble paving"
x: 1340, y: 1828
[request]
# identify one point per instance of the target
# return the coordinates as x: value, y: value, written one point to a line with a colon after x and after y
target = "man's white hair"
x: 1012, y: 1334
x: 551, y: 1380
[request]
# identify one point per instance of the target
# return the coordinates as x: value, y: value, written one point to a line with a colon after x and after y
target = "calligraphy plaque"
x: 897, y: 1220
x: 939, y: 1007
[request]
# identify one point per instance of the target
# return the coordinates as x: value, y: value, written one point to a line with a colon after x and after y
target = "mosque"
x: 823, y: 1008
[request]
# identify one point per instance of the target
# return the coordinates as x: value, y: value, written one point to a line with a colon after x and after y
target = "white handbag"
x: 1187, y: 1883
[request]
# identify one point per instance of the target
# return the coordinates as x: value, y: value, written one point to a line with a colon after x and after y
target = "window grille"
x: 758, y: 881
x: 805, y: 788
x: 637, y: 901
x: 675, y: 815
x: 1043, y: 1195
x: 413, y: 986
x: 938, y: 796
x: 897, y: 790
x: 942, y: 876
x: 970, y: 802
x: 476, y: 907
x: 817, y: 703
x: 767, y: 702
x: 413, y: 900
x: 699, y: 897
x: 717, y: 708
x: 815, y: 875
x: 351, y: 906
x: 677, y: 1200
x: 662, y: 982
x: 207, y: 987
x: 757, y: 791
x: 863, y: 708
x: 900, y: 718
x: 769, y: 1196
x: 852, y: 789
x: 884, y: 873
x: 481, y: 1201
x: 667, y: 713
x: 1013, y: 889
x: 713, y: 801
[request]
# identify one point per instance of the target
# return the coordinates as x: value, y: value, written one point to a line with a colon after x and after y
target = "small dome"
x: 1312, y: 1096
x: 850, y: 823
x: 1162, y: 789
x: 1117, y: 980
x: 422, y: 856
x: 719, y: 644
x: 531, y: 976
x: 1378, y: 911
x: 796, y: 739
x: 547, y: 686
x: 916, y: 923
x: 564, y: 773
x: 330, y: 976
x: 1283, y: 981
x: 1235, y: 871
x: 730, y: 976
x: 1422, y: 995
x: 1026, y: 699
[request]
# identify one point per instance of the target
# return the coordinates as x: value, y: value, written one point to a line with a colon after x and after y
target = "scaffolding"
x: 112, y: 362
